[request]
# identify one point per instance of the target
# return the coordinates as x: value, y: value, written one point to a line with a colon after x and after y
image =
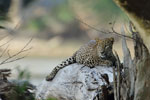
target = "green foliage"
x: 23, y: 73
x: 22, y: 91
x: 106, y: 6
x: 21, y: 87
x: 107, y: 9
x: 37, y: 24
x: 51, y: 99
x: 3, y: 17
x: 104, y: 9
x: 62, y: 12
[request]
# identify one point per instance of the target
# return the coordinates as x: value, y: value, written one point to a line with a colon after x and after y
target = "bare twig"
x: 4, y: 51
x: 114, y: 32
x: 8, y: 53
x: 104, y: 32
x: 3, y: 37
x: 11, y: 58
x: 6, y: 42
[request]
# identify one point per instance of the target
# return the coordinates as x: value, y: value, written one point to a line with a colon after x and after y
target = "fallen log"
x: 78, y: 82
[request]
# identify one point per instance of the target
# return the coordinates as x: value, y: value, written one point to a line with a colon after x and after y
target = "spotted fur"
x: 94, y: 53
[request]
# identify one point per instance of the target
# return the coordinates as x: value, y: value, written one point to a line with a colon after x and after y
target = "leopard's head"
x: 104, y: 47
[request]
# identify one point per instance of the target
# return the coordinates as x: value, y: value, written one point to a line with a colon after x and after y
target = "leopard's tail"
x: 65, y: 63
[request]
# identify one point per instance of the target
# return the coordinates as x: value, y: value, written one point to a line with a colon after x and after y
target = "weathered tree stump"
x: 133, y: 81
x: 78, y: 82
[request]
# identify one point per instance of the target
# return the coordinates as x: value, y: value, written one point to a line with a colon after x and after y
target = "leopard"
x: 97, y: 52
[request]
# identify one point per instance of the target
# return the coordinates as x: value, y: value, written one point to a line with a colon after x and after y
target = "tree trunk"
x: 136, y: 84
x: 134, y: 81
x: 138, y: 12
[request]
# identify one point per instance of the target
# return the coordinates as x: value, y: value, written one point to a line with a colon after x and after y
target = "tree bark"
x: 138, y: 12
x: 134, y: 80
x: 136, y: 83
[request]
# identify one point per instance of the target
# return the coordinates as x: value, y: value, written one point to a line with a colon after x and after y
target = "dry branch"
x: 133, y: 82
x: 142, y: 63
x: 6, y: 43
x: 105, y: 32
x: 115, y: 84
x: 12, y: 58
x: 4, y: 51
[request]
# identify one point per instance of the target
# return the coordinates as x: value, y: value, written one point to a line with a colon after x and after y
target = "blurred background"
x: 57, y: 28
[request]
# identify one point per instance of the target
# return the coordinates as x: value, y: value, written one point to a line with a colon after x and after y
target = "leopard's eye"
x: 107, y: 47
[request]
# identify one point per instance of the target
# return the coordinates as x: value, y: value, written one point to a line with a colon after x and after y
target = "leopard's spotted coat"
x: 94, y: 53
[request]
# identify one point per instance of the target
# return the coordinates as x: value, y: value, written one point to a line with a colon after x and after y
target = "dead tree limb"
x: 118, y: 76
x: 142, y: 63
x: 133, y: 79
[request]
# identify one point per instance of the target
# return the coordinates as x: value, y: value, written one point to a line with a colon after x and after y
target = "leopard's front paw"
x: 109, y: 63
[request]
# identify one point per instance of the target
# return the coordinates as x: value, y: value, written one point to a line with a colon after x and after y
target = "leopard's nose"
x: 102, y: 52
x: 103, y: 56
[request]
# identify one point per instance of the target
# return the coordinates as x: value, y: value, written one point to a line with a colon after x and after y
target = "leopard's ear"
x: 111, y: 39
x: 97, y: 40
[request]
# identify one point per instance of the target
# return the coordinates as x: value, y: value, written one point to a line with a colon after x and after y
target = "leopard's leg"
x: 105, y: 63
x: 69, y: 61
x: 111, y: 57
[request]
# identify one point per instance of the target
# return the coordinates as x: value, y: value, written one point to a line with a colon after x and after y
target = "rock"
x: 75, y: 82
